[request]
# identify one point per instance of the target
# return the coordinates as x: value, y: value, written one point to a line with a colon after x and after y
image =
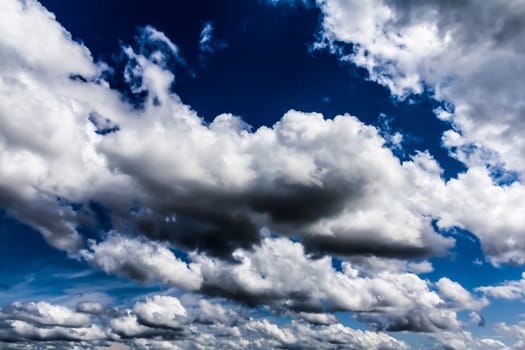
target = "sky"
x: 262, y: 174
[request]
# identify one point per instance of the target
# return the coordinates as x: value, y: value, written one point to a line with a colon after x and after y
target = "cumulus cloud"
x: 509, y: 290
x: 45, y: 314
x: 163, y: 322
x: 450, y: 48
x: 385, y: 299
x: 473, y: 202
x: 43, y: 321
x: 459, y: 296
x: 331, y: 182
x: 161, y: 311
x: 465, y: 340
x: 304, y: 336
x: 515, y: 331
x: 90, y: 307
x: 393, y: 298
x: 73, y: 148
x: 210, y: 313
x: 45, y: 150
x: 142, y: 260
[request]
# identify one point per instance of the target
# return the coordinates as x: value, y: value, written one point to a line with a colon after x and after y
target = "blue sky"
x: 258, y: 174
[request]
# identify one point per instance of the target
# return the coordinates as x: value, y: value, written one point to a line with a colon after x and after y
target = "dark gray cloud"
x: 337, y: 246
x: 416, y: 320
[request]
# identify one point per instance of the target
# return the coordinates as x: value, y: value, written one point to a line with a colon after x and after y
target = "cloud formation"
x: 409, y: 47
x: 163, y: 322
x: 141, y: 260
x: 331, y: 182
x: 227, y: 211
x: 507, y: 290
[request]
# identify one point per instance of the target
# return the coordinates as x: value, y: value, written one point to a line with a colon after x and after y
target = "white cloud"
x: 475, y: 203
x: 306, y: 336
x: 208, y: 312
x: 393, y: 300
x: 90, y: 307
x: 317, y: 318
x: 44, y: 51
x: 142, y: 260
x: 330, y: 181
x: 151, y: 35
x: 516, y: 331
x: 470, y: 56
x: 161, y: 311
x: 448, y: 47
x: 166, y: 176
x: 267, y: 329
x: 509, y: 290
x: 163, y: 322
x: 128, y: 326
x: 45, y: 314
x: 460, y: 297
x: 43, y: 321
x: 464, y: 340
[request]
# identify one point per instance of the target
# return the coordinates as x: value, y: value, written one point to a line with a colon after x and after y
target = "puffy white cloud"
x: 45, y: 314
x: 393, y: 300
x: 191, y: 322
x: 373, y: 264
x: 161, y: 311
x: 515, y: 331
x: 208, y: 312
x: 90, y: 307
x: 453, y: 49
x: 46, y: 142
x: 163, y: 322
x: 448, y: 47
x: 46, y: 46
x: 270, y: 330
x: 145, y: 261
x: 509, y: 290
x: 127, y: 326
x: 156, y: 170
x: 163, y: 174
x: 317, y: 318
x: 43, y: 321
x: 473, y: 202
x: 147, y: 344
x: 459, y: 296
x: 304, y: 336
x: 465, y: 340
x: 476, y: 318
